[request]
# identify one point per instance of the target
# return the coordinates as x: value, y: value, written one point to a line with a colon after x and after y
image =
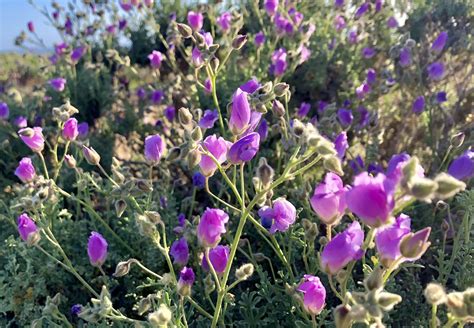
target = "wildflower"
x: 279, y: 64
x: 436, y: 71
x: 33, y: 138
x: 97, y: 249
x: 244, y: 149
x: 362, y: 10
x: 91, y: 156
x: 20, y: 121
x: 314, y: 294
x: 362, y: 90
x: 388, y: 239
x: 31, y: 27
x: 280, y: 217
x: 250, y: 86
x: 195, y: 20
x: 180, y: 251
x: 156, y: 96
x: 170, y: 113
x: 186, y: 280
x: 199, y: 180
x: 224, y: 21
x: 218, y: 147
x: 208, y: 86
x: 83, y: 130
x: 240, y: 112
x: 25, y: 170
x: 339, y: 23
x: 4, y: 111
x: 211, y: 226
x: 259, y: 39
x: 58, y: 84
x: 440, y: 42
x: 70, y: 131
x: 418, y: 105
x: 271, y: 7
x: 341, y: 145
x: 208, y: 119
x: 154, y: 148
x: 76, y: 309
x: 414, y: 245
x: 462, y: 167
x: 441, y: 97
x: 371, y: 76
x: 155, y: 59
x: 345, y: 116
x: 304, y: 109
x: 368, y: 52
x: 27, y: 229
x: 218, y: 256
x: 77, y: 54
x: 328, y: 200
x: 405, y: 57
x: 392, y: 22
x: 262, y: 130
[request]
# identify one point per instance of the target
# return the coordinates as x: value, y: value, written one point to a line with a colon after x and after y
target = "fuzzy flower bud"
x: 245, y: 271
x: 161, y: 317
x: 435, y: 294
x: 448, y: 186
x: 91, y: 156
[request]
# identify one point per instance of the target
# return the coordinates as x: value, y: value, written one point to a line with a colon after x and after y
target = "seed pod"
x: 144, y: 305
x: 120, y: 206
x: 281, y: 89
x: 70, y: 161
x: 196, y: 134
x: 265, y: 172
x: 325, y: 147
x: 123, y: 268
x: 456, y: 304
x: 298, y: 127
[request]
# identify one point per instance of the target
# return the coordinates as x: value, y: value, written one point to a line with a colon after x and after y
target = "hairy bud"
x: 280, y: 89
x: 422, y: 188
x: 448, y: 186
x: 435, y: 294
x: 265, y: 172
x: 333, y: 164
x: 245, y: 271
x: 91, y: 156
x: 184, y: 30
x: 239, y: 41
x: 278, y: 108
x: 161, y: 317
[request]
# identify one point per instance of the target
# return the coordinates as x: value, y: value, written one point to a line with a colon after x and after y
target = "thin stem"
x: 60, y: 164
x: 333, y: 288
x: 313, y: 321
x: 181, y: 304
x: 213, y: 271
x: 434, y: 318
x: 329, y: 232
x: 214, y: 98
x: 199, y: 308
x: 165, y: 251
x: 45, y: 168
x: 144, y: 268
x: 107, y: 175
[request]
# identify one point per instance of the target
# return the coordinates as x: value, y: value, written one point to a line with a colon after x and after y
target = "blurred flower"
x: 440, y: 42
x: 208, y: 119
x: 418, y: 105
x: 154, y: 148
x: 218, y: 256
x: 271, y: 7
x: 304, y: 53
x: 262, y: 130
x: 20, y: 121
x: 97, y: 249
x: 149, y: 3
x: 31, y: 27
x: 362, y: 10
x: 76, y: 309
x: 155, y: 59
x: 141, y: 93
x: 371, y: 76
x: 156, y: 96
x: 341, y: 145
x: 328, y: 200
x: 208, y: 86
x: 441, y: 97
x: 163, y: 201
x: 304, y: 109
x: 240, y: 112
x: 27, y: 228
x: 211, y: 226
x: 405, y: 57
x: 259, y: 39
x: 436, y: 71
x: 186, y: 280
x: 199, y: 180
x: 388, y: 239
x: 314, y: 294
x: 196, y: 57
x: 244, y: 149
x: 60, y: 48
x: 83, y: 130
x: 322, y: 105
x: 218, y: 147
x: 180, y: 251
x: 182, y: 219
x: 283, y: 25
x: 170, y: 113
x: 364, y: 116
x: 392, y: 22
x: 58, y: 84
x: 126, y: 5
x: 338, y: 3
x: 368, y: 52
x: 77, y: 54
x: 353, y: 36
x: 378, y: 5
x: 25, y: 170
x: 195, y: 20
x: 342, y: 249
x: 33, y: 138
x: 111, y: 29
x: 4, y: 110
x: 345, y: 116
x: 370, y: 199
x: 295, y: 16
x: 279, y: 65
x: 339, y: 23
x: 224, y: 21
x: 462, y: 167
x: 70, y: 131
x: 122, y: 24
x: 250, y: 86
x: 362, y: 90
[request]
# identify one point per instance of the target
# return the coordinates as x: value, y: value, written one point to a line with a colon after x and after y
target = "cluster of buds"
x: 64, y: 112
x: 460, y: 304
x: 43, y: 191
x: 147, y: 223
x: 100, y: 308
x: 263, y: 179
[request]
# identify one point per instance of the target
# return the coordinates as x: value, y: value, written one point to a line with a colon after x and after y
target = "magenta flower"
x: 259, y: 39
x: 26, y: 227
x: 371, y: 199
x: 70, y: 131
x: 60, y: 48
x: 250, y: 86
x: 342, y: 249
x: 195, y: 20
x: 83, y: 129
x: 224, y: 21
x: 186, y: 280
x: 328, y: 200
x: 462, y: 168
x: 341, y: 145
x: 418, y: 105
x: 126, y: 5
x: 414, y: 245
x: 211, y: 226
x: 362, y: 10
x: 368, y: 52
x: 271, y: 7
x: 179, y: 250
x: 362, y: 90
x: 97, y: 249
x: 77, y: 54
x: 218, y: 256
x: 20, y: 121
x: 392, y: 22
x: 304, y: 109
x: 284, y: 215
x: 440, y: 42
x: 339, y: 23
x: 405, y: 57
x: 25, y: 170
x: 314, y: 294
x: 345, y: 116
x: 240, y: 112
x: 244, y: 149
x: 262, y: 129
x: 154, y: 148
x: 279, y: 64
x: 58, y: 84
x: 388, y: 239
x: 33, y: 138
x: 196, y: 57
x: 436, y: 71
x: 31, y: 27
x: 208, y: 86
x: 4, y: 110
x: 218, y: 147
x: 155, y: 59
x: 208, y: 119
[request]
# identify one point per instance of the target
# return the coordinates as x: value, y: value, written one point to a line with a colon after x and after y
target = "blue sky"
x: 15, y: 14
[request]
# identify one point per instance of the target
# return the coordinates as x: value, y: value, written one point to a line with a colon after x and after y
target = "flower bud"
x: 375, y: 280
x: 448, y: 186
x: 341, y: 316
x: 120, y: 206
x: 194, y: 158
x: 215, y: 65
x: 244, y: 272
x: 456, y: 305
x: 457, y: 140
x: 422, y: 188
x: 161, y: 317
x: 278, y: 108
x: 174, y: 154
x: 410, y: 169
x: 280, y: 89
x: 185, y: 282
x: 123, y: 268
x: 414, y: 245
x: 70, y: 161
x: 154, y: 217
x: 239, y: 41
x: 388, y: 300
x: 185, y: 116
x: 265, y: 172
x: 184, y: 30
x: 298, y: 127
x: 325, y: 147
x: 435, y: 294
x: 91, y: 156
x: 333, y: 164
x: 196, y: 134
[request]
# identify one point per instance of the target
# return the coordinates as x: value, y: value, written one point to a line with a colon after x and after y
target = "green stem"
x: 216, y: 101
x: 199, y: 308
x: 333, y: 288
x: 434, y: 319
x: 60, y: 164
x: 45, y: 169
x: 213, y: 271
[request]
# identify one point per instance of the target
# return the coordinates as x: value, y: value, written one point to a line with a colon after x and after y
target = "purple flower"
x: 122, y: 24
x: 199, y: 180
x: 33, y: 138
x: 378, y: 5
x: 392, y: 22
x: 155, y: 59
x: 368, y: 52
x: 345, y: 116
x: 279, y: 65
x: 250, y: 86
x: 157, y: 96
x: 418, y: 105
x: 208, y: 119
x: 181, y: 220
x: 342, y: 249
x: 371, y: 76
x: 271, y: 7
x: 328, y: 200
x: 341, y: 145
x: 97, y: 249
x: 126, y: 5
x: 170, y: 113
x: 77, y: 54
x: 388, y: 239
x: 362, y: 90
x: 224, y: 21
x: 262, y: 130
x: 31, y: 27
x: 304, y: 53
x: 282, y: 215
x: 70, y: 131
x: 60, y: 48
x: 371, y: 199
x: 362, y: 10
x: 25, y: 170
x: 440, y: 42
x: 4, y: 110
x: 436, y: 71
x: 211, y: 226
x: 259, y: 39
x: 462, y: 168
x: 314, y: 294
x: 26, y: 228
x: 186, y: 280
x: 304, y: 109
x: 180, y: 251
x: 339, y: 23
x: 414, y: 245
x: 353, y: 36
x: 322, y: 105
x: 21, y: 122
x: 83, y: 129
x: 208, y: 86
x: 195, y: 20
x: 405, y: 57
x: 196, y: 57
x: 364, y: 116
x: 244, y: 149
x: 76, y: 309
x: 240, y: 112
x: 58, y: 84
x: 218, y: 147
x: 154, y: 148
x: 441, y: 97
x: 283, y: 25
x: 218, y: 256
x: 141, y: 93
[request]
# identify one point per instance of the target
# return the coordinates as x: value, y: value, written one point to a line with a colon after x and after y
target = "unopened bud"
x: 278, y: 108
x: 414, y: 245
x: 70, y: 161
x: 185, y: 116
x: 448, y: 186
x: 435, y: 294
x: 161, y: 317
x: 410, y: 43
x: 185, y: 30
x: 215, y: 63
x: 333, y: 164
x: 154, y: 217
x: 374, y: 280
x: 422, y: 188
x: 410, y: 168
x: 265, y: 172
x: 325, y: 147
x: 298, y: 127
x: 194, y: 158
x: 145, y: 227
x: 261, y: 108
x: 341, y: 316
x: 144, y: 305
x: 123, y: 268
x: 245, y: 271
x: 91, y: 156
x: 281, y: 89
x: 196, y: 134
x: 120, y: 206
x: 457, y: 140
x: 174, y: 154
x: 266, y: 88
x: 239, y: 41
x: 456, y: 304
